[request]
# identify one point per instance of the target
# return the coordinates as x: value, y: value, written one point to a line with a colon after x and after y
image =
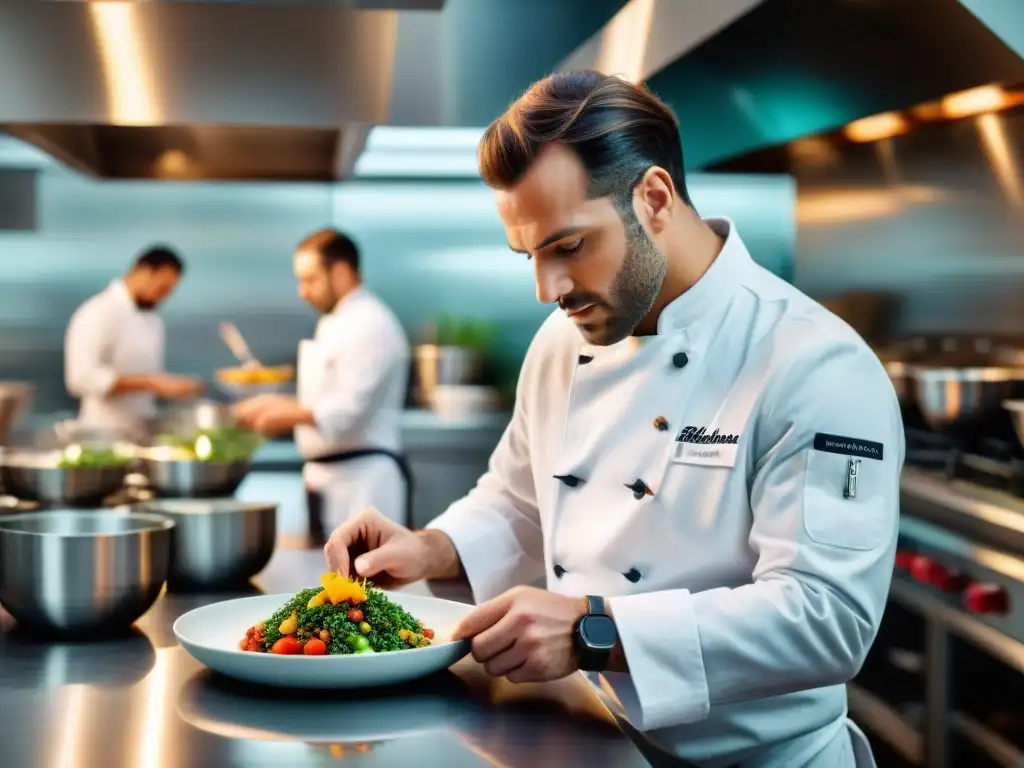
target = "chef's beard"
x: 633, y: 292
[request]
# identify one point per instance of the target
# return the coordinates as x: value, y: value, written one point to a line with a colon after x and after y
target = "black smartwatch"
x: 594, y: 637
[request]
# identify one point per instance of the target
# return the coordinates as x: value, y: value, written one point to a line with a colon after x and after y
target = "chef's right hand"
x: 168, y: 387
x: 371, y: 546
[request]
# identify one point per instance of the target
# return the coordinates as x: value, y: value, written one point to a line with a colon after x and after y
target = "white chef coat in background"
x: 353, y: 375
x: 107, y: 337
x: 746, y: 589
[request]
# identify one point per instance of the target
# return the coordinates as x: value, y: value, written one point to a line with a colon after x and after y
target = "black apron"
x: 315, y: 500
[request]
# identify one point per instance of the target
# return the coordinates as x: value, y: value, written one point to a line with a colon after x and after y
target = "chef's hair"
x: 334, y: 247
x: 618, y: 130
x: 159, y: 257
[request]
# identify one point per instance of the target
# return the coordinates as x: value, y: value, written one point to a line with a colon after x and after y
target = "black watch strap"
x: 596, y: 606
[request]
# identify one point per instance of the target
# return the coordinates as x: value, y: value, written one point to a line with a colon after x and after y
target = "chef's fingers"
x: 364, y: 529
x: 509, y: 660
x: 493, y: 641
x: 392, y: 557
x: 485, y: 616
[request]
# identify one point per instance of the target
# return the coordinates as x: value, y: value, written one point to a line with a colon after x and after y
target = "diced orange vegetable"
x: 428, y: 633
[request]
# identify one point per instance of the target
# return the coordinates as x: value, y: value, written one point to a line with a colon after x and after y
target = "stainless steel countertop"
x: 142, y: 702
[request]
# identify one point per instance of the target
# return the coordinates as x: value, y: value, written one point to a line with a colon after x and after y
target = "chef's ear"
x: 653, y: 197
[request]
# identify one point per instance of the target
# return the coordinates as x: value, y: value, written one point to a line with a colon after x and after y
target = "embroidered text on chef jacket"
x: 746, y: 584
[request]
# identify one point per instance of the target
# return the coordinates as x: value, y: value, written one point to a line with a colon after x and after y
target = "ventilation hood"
x: 743, y: 75
x: 199, y: 90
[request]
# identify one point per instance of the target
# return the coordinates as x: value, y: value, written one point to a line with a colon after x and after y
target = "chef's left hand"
x: 525, y: 634
x: 270, y: 414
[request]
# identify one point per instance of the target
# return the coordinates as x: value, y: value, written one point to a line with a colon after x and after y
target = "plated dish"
x: 340, y: 617
x: 228, y: 638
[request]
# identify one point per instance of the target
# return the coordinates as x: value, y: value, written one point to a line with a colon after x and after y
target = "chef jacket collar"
x: 715, y: 286
x: 119, y: 290
x: 346, y: 300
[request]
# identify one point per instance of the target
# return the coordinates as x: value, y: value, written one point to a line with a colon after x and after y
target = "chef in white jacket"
x: 352, y: 379
x: 114, y: 348
x: 703, y: 463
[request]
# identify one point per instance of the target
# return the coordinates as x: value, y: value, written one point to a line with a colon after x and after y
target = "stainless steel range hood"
x: 747, y: 74
x: 199, y: 90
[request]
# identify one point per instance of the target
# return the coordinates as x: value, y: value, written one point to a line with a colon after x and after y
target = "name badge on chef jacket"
x: 705, y: 447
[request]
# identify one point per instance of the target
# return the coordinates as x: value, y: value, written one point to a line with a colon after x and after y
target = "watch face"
x: 598, y: 632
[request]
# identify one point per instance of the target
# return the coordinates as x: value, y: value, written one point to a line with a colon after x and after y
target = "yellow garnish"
x: 342, y: 590
x: 289, y: 625
x: 318, y: 599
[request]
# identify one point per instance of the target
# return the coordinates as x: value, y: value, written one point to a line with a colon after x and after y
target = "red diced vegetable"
x: 315, y: 647
x: 288, y: 645
x: 355, y: 615
x: 428, y: 633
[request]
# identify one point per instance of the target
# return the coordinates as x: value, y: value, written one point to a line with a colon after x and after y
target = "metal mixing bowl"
x: 190, y: 478
x: 75, y: 573
x: 216, y: 543
x: 35, y: 475
x: 958, y: 398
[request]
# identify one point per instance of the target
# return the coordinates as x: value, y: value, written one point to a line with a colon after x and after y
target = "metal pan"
x: 955, y: 399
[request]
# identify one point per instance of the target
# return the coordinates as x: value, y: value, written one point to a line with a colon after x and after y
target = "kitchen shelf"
x: 984, y: 738
x: 886, y: 722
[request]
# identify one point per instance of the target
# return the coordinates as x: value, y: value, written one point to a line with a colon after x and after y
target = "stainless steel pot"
x: 35, y: 475
x: 76, y: 573
x: 445, y: 365
x: 218, y: 543
x: 190, y: 478
x: 957, y: 398
x: 195, y: 415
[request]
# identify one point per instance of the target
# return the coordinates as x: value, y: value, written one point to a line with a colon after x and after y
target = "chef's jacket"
x: 699, y: 479
x: 107, y: 337
x: 353, y: 375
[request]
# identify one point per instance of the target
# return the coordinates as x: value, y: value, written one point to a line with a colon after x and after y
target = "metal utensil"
x: 218, y: 543
x: 231, y: 336
x: 175, y: 478
x: 955, y: 398
x: 36, y: 476
x: 15, y: 398
x: 81, y: 573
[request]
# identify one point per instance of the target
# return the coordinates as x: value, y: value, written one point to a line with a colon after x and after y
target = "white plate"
x: 211, y: 634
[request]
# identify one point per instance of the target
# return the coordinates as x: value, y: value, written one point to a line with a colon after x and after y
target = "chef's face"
x: 318, y: 286
x: 596, y: 261
x: 154, y: 286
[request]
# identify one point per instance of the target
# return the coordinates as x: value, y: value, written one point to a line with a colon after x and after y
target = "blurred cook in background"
x: 114, y: 347
x: 352, y: 379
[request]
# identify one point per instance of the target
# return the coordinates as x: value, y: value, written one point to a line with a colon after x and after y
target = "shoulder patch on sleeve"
x: 848, y: 446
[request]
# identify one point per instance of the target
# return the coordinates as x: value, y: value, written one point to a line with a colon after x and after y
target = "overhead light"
x: 976, y: 101
x: 877, y: 127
